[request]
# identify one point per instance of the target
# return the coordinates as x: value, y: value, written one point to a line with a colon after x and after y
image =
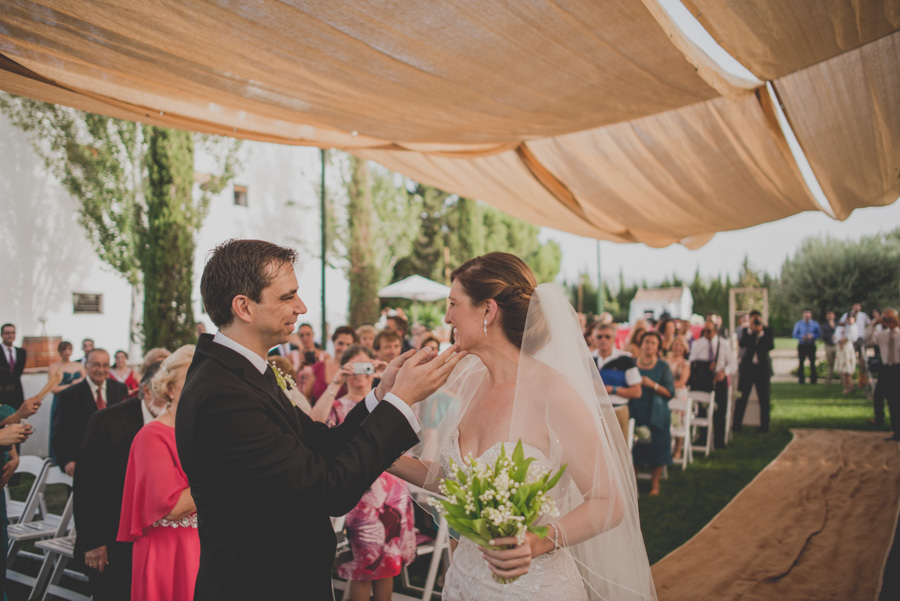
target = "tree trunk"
x: 363, y: 276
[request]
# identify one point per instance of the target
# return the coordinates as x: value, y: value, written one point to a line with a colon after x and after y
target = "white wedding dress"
x: 551, y: 577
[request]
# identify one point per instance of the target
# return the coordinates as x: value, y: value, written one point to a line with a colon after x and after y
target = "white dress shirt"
x: 725, y: 361
x: 94, y: 389
x: 886, y: 339
x: 371, y: 402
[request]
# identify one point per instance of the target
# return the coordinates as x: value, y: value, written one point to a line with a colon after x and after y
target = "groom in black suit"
x: 264, y: 476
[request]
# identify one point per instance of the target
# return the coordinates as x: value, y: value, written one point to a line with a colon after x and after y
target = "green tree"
x: 136, y: 202
x: 362, y: 273
x: 827, y: 273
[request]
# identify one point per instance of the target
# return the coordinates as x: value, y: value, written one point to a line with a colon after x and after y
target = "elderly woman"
x: 381, y: 528
x: 158, y: 512
x: 651, y: 409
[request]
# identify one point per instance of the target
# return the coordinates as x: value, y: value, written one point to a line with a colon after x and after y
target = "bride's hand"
x: 516, y: 560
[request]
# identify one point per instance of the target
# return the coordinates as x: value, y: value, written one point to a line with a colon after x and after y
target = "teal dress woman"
x: 651, y: 409
x: 72, y: 373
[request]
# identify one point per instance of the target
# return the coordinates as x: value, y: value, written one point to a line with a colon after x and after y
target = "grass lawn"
x: 690, y: 499
x: 785, y: 343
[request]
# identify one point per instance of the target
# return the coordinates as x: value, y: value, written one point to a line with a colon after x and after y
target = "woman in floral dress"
x: 381, y: 527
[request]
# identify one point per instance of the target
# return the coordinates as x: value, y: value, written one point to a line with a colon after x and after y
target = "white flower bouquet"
x: 485, y: 501
x: 642, y: 435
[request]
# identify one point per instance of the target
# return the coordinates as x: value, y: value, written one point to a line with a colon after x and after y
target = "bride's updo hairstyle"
x: 506, y: 279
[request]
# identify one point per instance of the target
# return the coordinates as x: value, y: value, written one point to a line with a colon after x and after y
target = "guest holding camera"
x: 755, y: 370
x: 325, y: 369
x: 381, y: 526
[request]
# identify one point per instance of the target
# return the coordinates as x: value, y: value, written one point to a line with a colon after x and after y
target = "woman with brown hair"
x: 530, y: 378
x: 651, y: 409
x: 324, y: 370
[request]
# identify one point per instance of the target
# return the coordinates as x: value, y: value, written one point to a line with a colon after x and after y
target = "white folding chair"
x: 684, y: 406
x: 52, y: 526
x: 629, y: 438
x: 439, y: 549
x: 33, y: 504
x: 57, y: 554
x: 707, y: 399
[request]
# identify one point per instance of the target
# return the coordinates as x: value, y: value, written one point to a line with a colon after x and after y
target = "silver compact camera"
x: 363, y: 368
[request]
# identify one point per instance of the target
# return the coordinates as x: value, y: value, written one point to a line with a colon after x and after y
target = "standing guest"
x: 121, y: 372
x: 717, y: 319
x: 11, y: 368
x: 590, y: 337
x: 755, y: 370
x: 667, y: 330
x: 87, y: 345
x: 845, y: 363
x: 862, y: 324
x: 79, y: 403
x: 711, y: 363
x: 828, y: 328
x: 806, y: 332
x: 365, y: 335
x: 323, y: 371
x: 633, y: 344
x: 399, y: 324
x: 99, y: 484
x: 888, y: 386
x: 387, y: 345
x: 158, y: 511
x: 652, y: 409
x: 72, y: 373
x: 154, y: 355
x: 308, y: 341
x: 681, y: 373
x: 617, y: 368
x: 381, y: 527
x: 433, y: 343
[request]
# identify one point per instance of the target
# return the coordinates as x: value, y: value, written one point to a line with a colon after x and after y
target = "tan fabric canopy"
x: 599, y: 118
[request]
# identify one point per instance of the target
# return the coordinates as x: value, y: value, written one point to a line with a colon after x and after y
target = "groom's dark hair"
x: 239, y: 267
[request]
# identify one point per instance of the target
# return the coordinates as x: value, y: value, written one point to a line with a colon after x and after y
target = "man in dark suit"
x: 264, y: 476
x: 98, y: 485
x: 78, y: 403
x: 12, y: 365
x: 755, y: 370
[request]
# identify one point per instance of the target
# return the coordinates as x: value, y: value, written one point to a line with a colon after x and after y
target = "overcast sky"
x: 767, y: 246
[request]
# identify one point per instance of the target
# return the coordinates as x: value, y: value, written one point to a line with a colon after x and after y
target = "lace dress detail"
x: 189, y: 521
x: 551, y: 577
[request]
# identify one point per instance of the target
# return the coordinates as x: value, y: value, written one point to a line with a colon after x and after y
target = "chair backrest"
x: 57, y: 476
x: 623, y: 415
x: 706, y: 398
x: 31, y: 464
x: 680, y: 404
x: 629, y: 436
x: 34, y: 502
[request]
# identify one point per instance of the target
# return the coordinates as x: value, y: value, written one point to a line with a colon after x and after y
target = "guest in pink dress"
x: 381, y: 527
x: 158, y: 512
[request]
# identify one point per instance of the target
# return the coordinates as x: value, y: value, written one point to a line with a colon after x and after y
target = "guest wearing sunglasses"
x: 617, y: 368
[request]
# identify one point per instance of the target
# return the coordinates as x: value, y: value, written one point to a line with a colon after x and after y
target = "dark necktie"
x: 12, y: 359
x: 101, y: 404
x: 276, y: 389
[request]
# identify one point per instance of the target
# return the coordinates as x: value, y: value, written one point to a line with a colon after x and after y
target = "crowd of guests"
x: 113, y: 431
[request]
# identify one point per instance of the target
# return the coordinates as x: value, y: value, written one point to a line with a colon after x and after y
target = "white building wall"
x: 46, y: 256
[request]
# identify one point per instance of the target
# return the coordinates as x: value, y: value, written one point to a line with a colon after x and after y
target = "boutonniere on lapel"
x: 291, y: 391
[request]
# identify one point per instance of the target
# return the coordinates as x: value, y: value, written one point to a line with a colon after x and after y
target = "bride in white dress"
x: 530, y: 377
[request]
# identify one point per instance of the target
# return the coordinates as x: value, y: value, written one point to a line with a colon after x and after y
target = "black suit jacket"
x: 100, y: 477
x: 266, y: 478
x: 11, y: 379
x: 74, y: 408
x: 758, y: 346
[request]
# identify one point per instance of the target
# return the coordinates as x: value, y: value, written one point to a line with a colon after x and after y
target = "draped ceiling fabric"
x: 596, y: 117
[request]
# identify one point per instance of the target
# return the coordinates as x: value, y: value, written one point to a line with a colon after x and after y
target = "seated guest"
x: 617, y: 368
x: 284, y: 367
x: 122, y: 373
x: 365, y: 335
x: 79, y: 403
x: 381, y: 528
x: 99, y: 482
x: 324, y: 370
x: 158, y: 512
x: 712, y: 361
x: 652, y: 410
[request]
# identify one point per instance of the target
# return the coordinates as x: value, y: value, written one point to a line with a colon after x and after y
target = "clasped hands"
x: 414, y: 376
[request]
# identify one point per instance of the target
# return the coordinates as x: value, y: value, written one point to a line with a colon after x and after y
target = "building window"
x: 87, y: 303
x: 240, y: 196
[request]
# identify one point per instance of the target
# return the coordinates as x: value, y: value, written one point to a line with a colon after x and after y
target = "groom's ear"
x: 240, y: 308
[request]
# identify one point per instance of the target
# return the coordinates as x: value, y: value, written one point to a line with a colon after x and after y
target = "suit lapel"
x: 283, y: 406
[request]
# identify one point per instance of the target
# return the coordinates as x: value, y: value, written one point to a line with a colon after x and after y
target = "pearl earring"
x: 485, y: 327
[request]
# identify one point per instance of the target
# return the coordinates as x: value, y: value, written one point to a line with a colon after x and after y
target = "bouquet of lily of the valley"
x: 290, y: 389
x: 485, y: 501
x: 642, y: 435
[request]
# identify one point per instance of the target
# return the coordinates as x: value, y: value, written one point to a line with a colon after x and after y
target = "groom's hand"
x: 389, y: 375
x: 423, y: 373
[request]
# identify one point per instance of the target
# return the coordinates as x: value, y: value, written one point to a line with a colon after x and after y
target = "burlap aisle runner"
x: 817, y: 523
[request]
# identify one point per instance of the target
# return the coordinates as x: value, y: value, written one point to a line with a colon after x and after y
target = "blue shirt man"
x: 807, y: 331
